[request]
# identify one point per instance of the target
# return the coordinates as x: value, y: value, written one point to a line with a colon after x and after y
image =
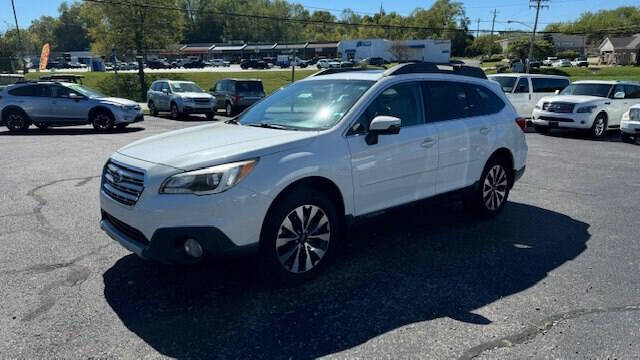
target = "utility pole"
x: 538, y: 4
x: 478, y: 29
x: 15, y: 17
x: 493, y: 25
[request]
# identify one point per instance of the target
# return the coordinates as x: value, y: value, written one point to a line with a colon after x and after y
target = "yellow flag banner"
x: 44, y: 57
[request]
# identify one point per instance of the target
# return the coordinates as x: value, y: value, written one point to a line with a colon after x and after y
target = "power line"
x: 336, y: 23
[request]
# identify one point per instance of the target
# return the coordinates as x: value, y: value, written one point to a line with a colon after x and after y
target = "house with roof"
x: 620, y: 50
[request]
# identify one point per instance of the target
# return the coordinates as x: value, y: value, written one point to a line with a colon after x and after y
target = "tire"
x: 599, y: 127
x: 152, y: 109
x: 541, y: 129
x: 292, y: 252
x: 627, y: 138
x: 228, y: 110
x: 492, y: 192
x: 210, y: 116
x: 102, y: 121
x: 42, y: 126
x: 175, y: 112
x: 16, y: 120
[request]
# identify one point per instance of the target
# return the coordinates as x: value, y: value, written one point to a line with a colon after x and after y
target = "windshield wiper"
x: 233, y: 121
x: 272, y: 126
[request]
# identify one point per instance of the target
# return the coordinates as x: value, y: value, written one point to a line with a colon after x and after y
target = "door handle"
x: 427, y: 143
x: 608, y: 103
x: 485, y: 130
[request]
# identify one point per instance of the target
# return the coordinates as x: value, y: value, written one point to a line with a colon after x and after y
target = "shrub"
x: 130, y: 84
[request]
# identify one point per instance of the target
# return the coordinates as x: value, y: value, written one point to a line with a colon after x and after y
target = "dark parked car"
x: 158, y: 64
x: 69, y: 78
x: 375, y: 61
x: 253, y: 64
x: 199, y: 64
x: 233, y: 95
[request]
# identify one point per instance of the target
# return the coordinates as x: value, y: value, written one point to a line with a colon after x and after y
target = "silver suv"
x: 47, y: 103
x: 179, y: 98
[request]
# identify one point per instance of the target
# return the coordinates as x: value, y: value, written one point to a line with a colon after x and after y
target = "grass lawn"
x: 105, y: 82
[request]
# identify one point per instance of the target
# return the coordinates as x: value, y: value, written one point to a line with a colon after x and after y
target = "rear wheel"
x: 228, y: 110
x: 599, y: 127
x: 299, y: 235
x: 16, y: 120
x: 102, y: 121
x: 492, y: 192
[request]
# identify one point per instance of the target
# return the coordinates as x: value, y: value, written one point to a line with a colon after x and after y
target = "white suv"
x: 589, y: 105
x: 289, y: 175
x: 630, y: 125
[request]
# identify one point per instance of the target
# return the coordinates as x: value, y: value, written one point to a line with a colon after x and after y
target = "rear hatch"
x: 248, y: 92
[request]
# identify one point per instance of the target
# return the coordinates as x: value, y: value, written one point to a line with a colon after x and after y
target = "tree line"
x: 144, y: 26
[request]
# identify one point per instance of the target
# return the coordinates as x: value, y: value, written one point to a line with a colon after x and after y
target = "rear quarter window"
x: 29, y: 90
x: 548, y: 85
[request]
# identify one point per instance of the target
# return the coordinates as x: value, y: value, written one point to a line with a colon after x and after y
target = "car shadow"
x: 188, y: 118
x: 69, y: 131
x: 411, y: 265
x: 610, y: 136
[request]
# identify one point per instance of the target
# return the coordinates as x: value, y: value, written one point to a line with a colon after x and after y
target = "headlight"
x: 212, y: 180
x: 634, y: 114
x: 586, y: 109
x: 538, y: 107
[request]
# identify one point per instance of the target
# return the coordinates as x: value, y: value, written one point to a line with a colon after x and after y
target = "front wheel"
x: 541, y: 129
x: 490, y: 196
x: 300, y: 234
x: 152, y: 109
x: 599, y: 127
x: 627, y: 138
x: 210, y: 116
x: 102, y: 121
x: 175, y: 113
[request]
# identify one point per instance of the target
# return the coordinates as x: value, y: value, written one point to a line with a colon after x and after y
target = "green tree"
x: 520, y: 49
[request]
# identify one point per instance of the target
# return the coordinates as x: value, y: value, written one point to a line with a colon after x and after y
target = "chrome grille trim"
x: 558, y: 107
x: 122, y: 183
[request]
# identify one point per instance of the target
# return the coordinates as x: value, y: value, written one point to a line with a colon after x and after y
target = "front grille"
x: 122, y: 183
x: 549, y: 118
x: 561, y: 108
x: 128, y: 230
x: 202, y: 101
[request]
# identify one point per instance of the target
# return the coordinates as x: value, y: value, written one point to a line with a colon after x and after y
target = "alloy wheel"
x: 102, y: 121
x: 494, y: 188
x: 16, y: 121
x: 599, y: 126
x: 229, y: 110
x: 174, y: 111
x: 303, y: 239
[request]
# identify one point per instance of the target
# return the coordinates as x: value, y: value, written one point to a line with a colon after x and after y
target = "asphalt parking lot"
x: 557, y: 275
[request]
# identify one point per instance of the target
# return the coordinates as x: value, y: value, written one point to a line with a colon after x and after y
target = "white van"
x: 525, y: 90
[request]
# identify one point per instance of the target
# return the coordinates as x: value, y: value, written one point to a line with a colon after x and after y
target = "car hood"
x: 194, y: 95
x: 574, y: 99
x: 213, y: 144
x: 117, y: 101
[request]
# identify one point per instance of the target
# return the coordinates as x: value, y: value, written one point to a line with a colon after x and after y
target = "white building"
x: 438, y: 51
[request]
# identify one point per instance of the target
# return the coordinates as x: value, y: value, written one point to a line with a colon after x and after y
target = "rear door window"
x: 548, y: 85
x: 251, y: 87
x: 447, y: 101
x: 488, y: 102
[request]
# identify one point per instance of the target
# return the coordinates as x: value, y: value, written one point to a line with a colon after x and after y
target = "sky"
x: 517, y: 10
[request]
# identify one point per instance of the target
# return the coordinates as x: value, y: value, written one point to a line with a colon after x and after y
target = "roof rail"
x: 342, y: 70
x: 435, y: 68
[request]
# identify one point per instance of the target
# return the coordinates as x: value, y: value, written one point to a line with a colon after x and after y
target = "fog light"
x: 193, y: 248
x: 582, y: 122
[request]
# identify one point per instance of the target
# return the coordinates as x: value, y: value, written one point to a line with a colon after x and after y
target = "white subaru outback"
x: 288, y: 176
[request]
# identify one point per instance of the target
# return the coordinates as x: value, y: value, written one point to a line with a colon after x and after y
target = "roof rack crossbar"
x: 435, y: 68
x: 341, y: 70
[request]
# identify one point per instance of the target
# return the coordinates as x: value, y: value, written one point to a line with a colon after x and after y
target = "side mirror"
x: 166, y: 91
x: 74, y: 96
x: 557, y: 92
x: 382, y: 125
x: 619, y: 95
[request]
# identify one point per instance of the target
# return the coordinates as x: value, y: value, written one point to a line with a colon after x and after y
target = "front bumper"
x: 129, y: 117
x: 562, y: 120
x: 630, y: 127
x: 198, y: 109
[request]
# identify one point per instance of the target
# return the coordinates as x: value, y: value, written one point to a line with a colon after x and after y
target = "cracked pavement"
x: 555, y: 276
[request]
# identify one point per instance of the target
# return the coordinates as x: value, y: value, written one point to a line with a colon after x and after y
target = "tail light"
x: 237, y: 98
x: 522, y: 122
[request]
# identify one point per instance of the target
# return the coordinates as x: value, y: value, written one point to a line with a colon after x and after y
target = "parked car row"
x: 553, y: 102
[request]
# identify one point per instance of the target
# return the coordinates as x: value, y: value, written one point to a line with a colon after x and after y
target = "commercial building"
x: 239, y: 50
x: 438, y: 51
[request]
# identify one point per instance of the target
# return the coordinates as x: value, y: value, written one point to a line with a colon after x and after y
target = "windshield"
x: 506, y: 82
x: 86, y: 91
x: 600, y: 90
x: 307, y: 105
x: 181, y: 87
